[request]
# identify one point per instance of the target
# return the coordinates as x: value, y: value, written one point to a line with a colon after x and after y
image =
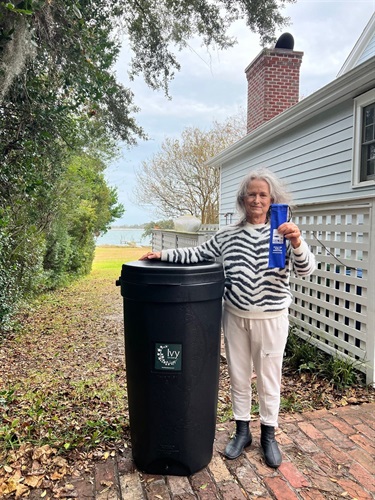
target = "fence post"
x: 370, y: 372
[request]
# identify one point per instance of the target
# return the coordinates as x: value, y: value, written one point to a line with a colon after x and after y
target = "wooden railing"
x: 168, y: 238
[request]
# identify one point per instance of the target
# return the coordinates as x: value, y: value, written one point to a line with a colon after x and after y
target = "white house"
x: 324, y: 147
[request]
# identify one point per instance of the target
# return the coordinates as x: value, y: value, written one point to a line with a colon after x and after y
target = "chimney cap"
x: 285, y: 41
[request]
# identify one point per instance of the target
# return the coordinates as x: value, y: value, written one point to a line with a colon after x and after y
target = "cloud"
x: 212, y: 84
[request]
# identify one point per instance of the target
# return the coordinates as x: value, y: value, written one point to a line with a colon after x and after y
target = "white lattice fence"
x: 335, y: 307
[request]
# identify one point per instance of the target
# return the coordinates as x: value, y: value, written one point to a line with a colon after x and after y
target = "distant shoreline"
x: 122, y: 236
x: 122, y: 246
x: 127, y: 228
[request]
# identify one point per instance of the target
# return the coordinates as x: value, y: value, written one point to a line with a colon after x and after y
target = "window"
x: 364, y: 140
x: 368, y: 144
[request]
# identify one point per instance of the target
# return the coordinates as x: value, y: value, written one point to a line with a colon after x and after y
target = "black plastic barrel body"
x: 172, y: 315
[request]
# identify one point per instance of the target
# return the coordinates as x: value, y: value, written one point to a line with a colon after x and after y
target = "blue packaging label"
x: 277, y: 252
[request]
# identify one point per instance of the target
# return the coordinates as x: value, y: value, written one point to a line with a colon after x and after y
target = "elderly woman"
x: 256, y: 301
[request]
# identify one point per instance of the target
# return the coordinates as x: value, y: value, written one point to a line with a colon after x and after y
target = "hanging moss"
x: 16, y: 49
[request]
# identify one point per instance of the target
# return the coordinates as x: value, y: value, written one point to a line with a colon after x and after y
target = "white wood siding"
x: 368, y: 52
x: 315, y: 160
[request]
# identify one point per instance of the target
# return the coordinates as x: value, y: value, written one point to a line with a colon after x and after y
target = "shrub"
x: 304, y: 356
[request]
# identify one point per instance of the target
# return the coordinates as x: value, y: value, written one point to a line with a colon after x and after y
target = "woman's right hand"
x: 151, y: 256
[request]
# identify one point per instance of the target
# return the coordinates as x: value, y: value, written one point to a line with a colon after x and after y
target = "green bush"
x: 21, y: 269
x: 304, y: 356
x: 9, y: 291
x: 341, y: 372
x: 50, y: 240
x: 301, y: 355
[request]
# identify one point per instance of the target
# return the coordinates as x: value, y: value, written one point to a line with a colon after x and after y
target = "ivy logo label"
x: 168, y: 356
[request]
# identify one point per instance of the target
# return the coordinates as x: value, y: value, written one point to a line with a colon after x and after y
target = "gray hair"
x: 278, y: 190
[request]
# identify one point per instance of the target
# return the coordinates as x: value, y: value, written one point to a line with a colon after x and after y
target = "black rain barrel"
x: 172, y: 315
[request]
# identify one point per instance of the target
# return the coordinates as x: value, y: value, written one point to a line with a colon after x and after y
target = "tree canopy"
x: 83, y: 35
x: 63, y: 115
x: 177, y: 180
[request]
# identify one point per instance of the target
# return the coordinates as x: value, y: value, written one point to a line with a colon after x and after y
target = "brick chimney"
x: 273, y: 82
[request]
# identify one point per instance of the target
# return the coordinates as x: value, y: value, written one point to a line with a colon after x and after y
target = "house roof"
x: 359, y: 47
x: 352, y: 83
x: 352, y: 80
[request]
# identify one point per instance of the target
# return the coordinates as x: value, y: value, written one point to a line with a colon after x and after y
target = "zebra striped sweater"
x: 252, y: 289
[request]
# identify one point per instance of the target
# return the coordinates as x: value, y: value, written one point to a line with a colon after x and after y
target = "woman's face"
x: 257, y: 201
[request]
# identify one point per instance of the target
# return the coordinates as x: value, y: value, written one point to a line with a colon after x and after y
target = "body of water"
x: 124, y: 237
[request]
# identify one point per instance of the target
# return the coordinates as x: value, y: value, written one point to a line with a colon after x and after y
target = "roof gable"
x: 363, y: 49
x: 351, y: 84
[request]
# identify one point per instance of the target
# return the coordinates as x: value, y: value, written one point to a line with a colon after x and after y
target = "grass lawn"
x: 111, y: 258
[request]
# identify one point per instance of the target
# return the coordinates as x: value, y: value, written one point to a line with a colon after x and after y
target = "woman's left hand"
x: 291, y: 233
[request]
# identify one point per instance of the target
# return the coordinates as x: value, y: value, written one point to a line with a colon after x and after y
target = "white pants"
x: 255, y: 344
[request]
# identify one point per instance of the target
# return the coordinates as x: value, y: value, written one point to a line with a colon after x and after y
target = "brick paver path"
x: 326, y: 455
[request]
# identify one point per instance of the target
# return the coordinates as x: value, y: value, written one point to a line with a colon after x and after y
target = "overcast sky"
x: 212, y: 85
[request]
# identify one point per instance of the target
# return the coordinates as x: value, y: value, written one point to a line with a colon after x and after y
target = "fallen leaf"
x: 33, y: 481
x: 11, y: 485
x: 60, y: 462
x: 58, y: 474
x: 21, y: 490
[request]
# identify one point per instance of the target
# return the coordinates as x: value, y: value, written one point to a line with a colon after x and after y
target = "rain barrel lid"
x: 158, y: 272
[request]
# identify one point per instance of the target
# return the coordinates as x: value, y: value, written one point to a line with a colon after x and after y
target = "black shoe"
x: 241, y: 439
x: 270, y: 447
